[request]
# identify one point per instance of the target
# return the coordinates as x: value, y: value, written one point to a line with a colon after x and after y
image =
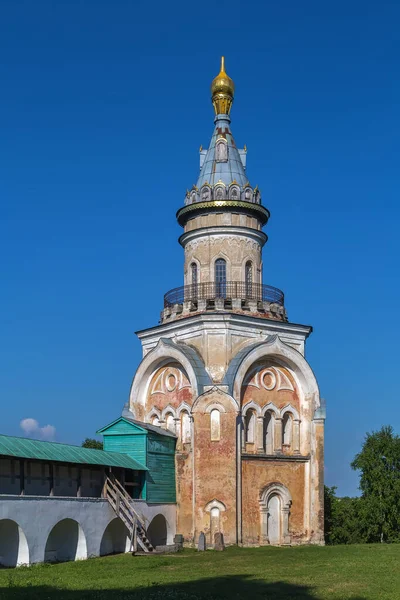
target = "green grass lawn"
x: 359, y: 572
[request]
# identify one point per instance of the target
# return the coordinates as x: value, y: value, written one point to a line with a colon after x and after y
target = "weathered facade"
x: 225, y: 371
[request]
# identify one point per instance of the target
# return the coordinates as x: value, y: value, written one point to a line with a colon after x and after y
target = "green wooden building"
x: 151, y: 446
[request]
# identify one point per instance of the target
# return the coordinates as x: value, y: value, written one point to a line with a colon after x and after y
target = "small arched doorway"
x: 157, y: 531
x: 274, y: 520
x: 66, y: 541
x: 115, y: 538
x: 14, y: 550
x: 275, y: 503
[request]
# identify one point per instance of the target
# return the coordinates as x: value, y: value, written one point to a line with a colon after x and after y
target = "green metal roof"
x: 53, y: 451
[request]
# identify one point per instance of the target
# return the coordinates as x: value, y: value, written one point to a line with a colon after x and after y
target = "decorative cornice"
x: 203, y: 232
x: 189, y: 211
x: 277, y: 457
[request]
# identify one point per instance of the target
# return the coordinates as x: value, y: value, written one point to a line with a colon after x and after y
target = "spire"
x: 222, y: 91
x: 222, y: 164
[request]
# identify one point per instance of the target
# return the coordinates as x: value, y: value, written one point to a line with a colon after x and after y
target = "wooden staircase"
x: 120, y: 502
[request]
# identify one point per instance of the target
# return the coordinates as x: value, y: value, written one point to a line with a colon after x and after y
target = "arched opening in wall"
x: 215, y: 524
x: 194, y: 274
x: 115, y: 538
x: 155, y: 421
x: 66, y: 541
x: 220, y: 278
x: 274, y: 520
x: 157, y: 531
x: 215, y: 422
x: 250, y: 426
x: 249, y: 278
x: 14, y: 550
x: 287, y: 429
x: 275, y: 503
x: 170, y: 421
x: 185, y: 427
x: 269, y: 425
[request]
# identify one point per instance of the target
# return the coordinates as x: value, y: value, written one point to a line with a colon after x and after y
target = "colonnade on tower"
x: 225, y: 371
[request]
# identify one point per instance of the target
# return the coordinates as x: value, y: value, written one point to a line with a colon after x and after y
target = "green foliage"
x: 342, y: 519
x: 92, y: 443
x: 379, y: 463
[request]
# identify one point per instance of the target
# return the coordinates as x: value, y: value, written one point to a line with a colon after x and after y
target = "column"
x: 296, y: 436
x: 260, y: 435
x: 278, y: 434
x: 264, y: 541
x: 285, y: 525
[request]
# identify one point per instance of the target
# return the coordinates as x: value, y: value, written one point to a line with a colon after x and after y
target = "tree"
x: 92, y: 443
x: 342, y: 519
x: 379, y: 463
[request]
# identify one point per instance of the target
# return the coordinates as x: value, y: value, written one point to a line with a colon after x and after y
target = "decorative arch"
x: 290, y: 409
x: 215, y: 508
x: 251, y: 405
x: 283, y: 355
x: 270, y: 407
x: 168, y: 409
x: 276, y: 488
x: 275, y: 503
x: 206, y: 193
x: 215, y: 398
x: 225, y: 257
x: 14, y: 550
x: 153, y: 414
x: 183, y: 407
x: 164, y: 353
x: 220, y: 192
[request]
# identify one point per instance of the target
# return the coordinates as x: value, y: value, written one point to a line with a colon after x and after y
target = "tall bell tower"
x: 225, y: 370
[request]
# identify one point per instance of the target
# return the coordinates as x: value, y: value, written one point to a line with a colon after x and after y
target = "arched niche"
x: 157, y: 531
x: 284, y: 358
x: 66, y: 541
x: 14, y: 550
x: 275, y: 503
x: 165, y: 354
x: 115, y: 538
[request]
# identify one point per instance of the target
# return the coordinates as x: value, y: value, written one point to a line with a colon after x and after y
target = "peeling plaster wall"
x: 256, y: 476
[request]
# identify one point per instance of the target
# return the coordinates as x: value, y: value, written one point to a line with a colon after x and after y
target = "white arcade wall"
x: 36, y: 529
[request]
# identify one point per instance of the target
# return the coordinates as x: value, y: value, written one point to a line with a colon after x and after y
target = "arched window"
x: 287, y: 429
x: 249, y: 278
x: 155, y: 421
x: 193, y: 268
x: 185, y: 427
x: 220, y: 278
x: 269, y: 433
x: 215, y: 425
x: 170, y: 422
x: 250, y: 426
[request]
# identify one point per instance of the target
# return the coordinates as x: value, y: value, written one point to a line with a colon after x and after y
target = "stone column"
x: 260, y: 435
x: 242, y: 434
x: 296, y: 436
x: 285, y: 525
x: 278, y: 434
x: 317, y: 476
x: 178, y: 431
x: 264, y: 541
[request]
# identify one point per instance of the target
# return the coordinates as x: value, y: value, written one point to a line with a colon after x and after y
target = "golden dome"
x: 222, y: 90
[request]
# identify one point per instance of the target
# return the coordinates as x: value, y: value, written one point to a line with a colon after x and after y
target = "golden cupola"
x: 222, y: 91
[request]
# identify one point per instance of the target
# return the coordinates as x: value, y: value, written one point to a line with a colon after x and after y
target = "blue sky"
x: 102, y: 111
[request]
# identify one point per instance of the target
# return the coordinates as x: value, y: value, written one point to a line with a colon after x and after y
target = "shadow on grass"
x: 218, y: 588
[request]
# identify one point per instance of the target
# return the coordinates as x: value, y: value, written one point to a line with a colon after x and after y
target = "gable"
x: 122, y: 427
